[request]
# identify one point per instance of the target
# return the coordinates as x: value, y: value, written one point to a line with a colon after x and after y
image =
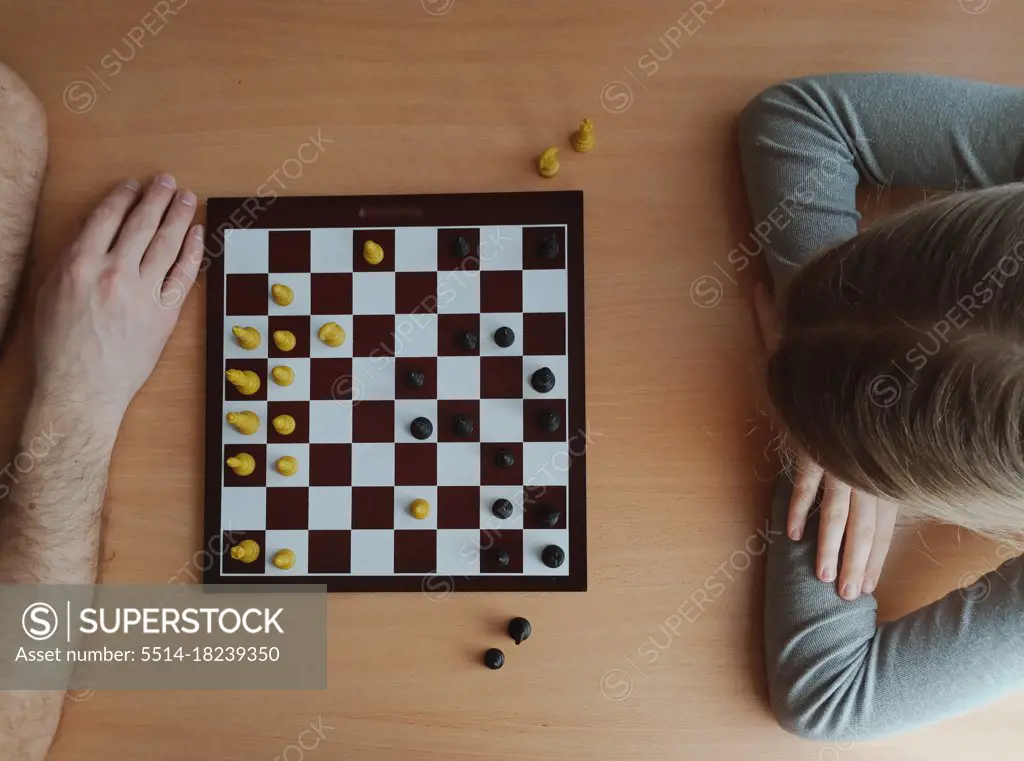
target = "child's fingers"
x: 835, y: 510
x: 860, y: 536
x: 885, y: 524
x: 805, y: 489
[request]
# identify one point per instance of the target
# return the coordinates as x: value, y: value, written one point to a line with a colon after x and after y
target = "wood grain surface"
x: 660, y: 658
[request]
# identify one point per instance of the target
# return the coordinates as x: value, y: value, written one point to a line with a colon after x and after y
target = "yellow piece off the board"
x: 548, y: 163
x: 583, y: 139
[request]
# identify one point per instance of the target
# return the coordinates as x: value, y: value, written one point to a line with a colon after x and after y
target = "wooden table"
x: 460, y: 95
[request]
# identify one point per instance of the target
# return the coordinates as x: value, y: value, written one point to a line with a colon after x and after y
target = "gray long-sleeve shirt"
x: 834, y: 672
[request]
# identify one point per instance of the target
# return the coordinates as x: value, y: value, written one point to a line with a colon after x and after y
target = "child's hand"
x: 866, y: 521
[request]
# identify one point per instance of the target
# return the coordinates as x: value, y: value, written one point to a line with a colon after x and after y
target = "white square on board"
x: 373, y: 464
x: 287, y: 539
x: 373, y: 378
x: 243, y: 508
x: 232, y: 435
x: 501, y: 248
x: 246, y: 252
x: 373, y: 552
x: 458, y: 377
x: 232, y: 350
x: 558, y: 364
x: 546, y: 463
x: 318, y: 348
x: 330, y: 507
x: 501, y: 420
x: 298, y: 391
x: 458, y: 464
x: 404, y: 495
x: 545, y: 291
x: 458, y: 292
x: 300, y: 452
x: 416, y: 335
x: 407, y: 410
x: 489, y: 495
x: 373, y: 293
x: 330, y: 250
x: 330, y: 422
x: 490, y: 322
x: 299, y: 283
x: 534, y: 542
x: 458, y: 555
x: 416, y: 249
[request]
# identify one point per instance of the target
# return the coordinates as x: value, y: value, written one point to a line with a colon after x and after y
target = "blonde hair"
x: 900, y: 366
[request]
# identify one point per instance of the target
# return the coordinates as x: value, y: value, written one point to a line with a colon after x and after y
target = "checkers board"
x: 346, y: 512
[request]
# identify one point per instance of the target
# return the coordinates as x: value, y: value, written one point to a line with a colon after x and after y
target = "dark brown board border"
x: 443, y: 210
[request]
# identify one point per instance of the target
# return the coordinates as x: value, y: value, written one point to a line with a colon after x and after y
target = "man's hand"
x: 866, y: 522
x: 109, y: 307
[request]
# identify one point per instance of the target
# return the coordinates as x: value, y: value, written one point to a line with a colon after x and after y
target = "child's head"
x: 900, y: 366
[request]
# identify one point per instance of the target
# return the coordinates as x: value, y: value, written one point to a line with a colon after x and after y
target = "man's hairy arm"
x: 23, y: 149
x: 49, y: 523
x: 49, y: 534
x: 104, y: 316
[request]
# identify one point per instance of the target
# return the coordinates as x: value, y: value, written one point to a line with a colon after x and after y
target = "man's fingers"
x: 860, y: 536
x: 179, y: 281
x: 805, y: 489
x: 764, y: 308
x: 835, y: 509
x: 885, y: 525
x: 144, y: 221
x: 101, y: 227
x: 167, y: 243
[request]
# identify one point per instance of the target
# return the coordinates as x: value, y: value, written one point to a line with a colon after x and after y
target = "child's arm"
x: 805, y: 144
x: 835, y: 673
